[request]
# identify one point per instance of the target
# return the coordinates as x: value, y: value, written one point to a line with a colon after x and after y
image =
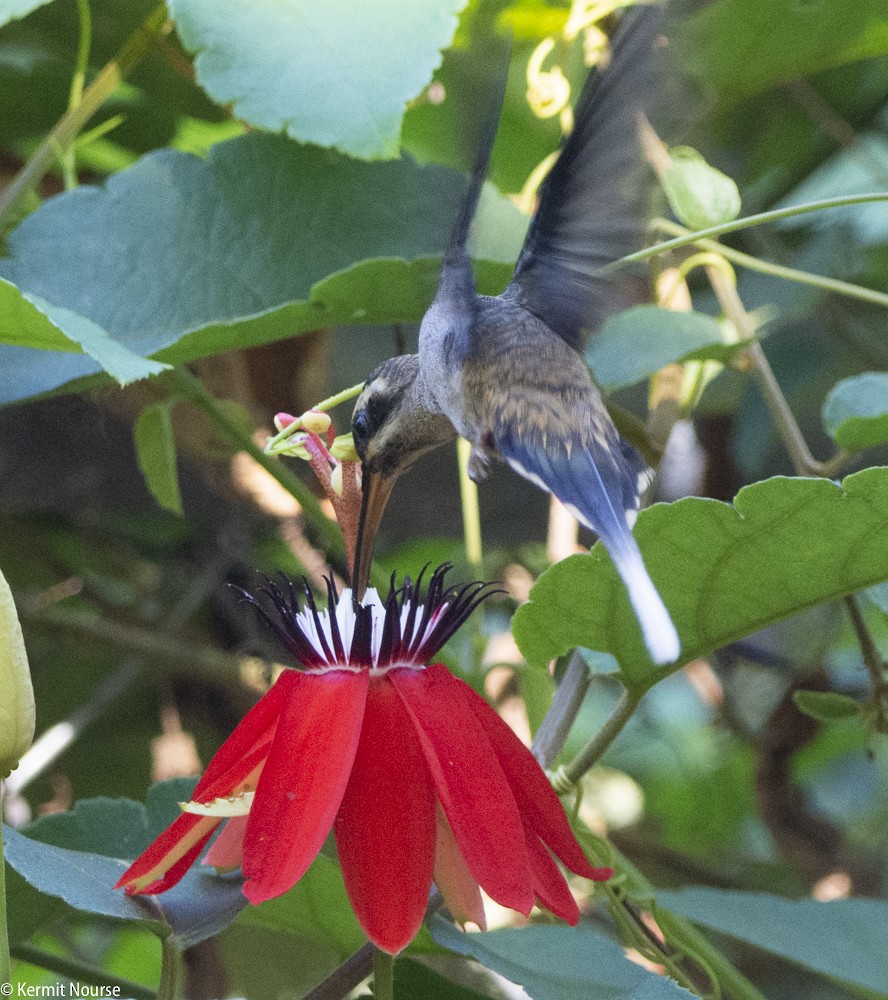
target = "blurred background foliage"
x: 138, y: 649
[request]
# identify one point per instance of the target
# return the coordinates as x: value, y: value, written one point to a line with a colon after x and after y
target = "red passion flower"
x: 414, y: 772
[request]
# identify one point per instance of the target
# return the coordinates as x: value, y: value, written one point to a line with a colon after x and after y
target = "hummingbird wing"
x: 456, y: 297
x: 593, y: 201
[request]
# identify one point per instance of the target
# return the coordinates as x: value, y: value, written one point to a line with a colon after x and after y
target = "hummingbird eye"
x: 361, y: 431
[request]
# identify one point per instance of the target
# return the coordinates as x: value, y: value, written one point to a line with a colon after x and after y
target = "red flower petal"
x: 470, y: 783
x: 453, y: 878
x: 162, y: 862
x: 227, y: 851
x: 548, y: 883
x: 255, y: 727
x: 385, y: 829
x: 539, y: 805
x: 304, y: 779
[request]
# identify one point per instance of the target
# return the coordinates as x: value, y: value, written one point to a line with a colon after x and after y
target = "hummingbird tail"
x: 606, y: 504
x: 660, y: 635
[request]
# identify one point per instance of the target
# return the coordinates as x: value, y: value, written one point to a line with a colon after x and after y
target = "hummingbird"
x: 506, y: 372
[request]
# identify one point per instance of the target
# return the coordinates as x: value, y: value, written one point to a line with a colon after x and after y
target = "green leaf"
x: 23, y: 324
x: 700, y: 195
x: 826, y: 706
x: 842, y: 939
x: 316, y: 907
x: 637, y: 342
x: 413, y: 980
x: 106, y: 834
x: 122, y: 364
x: 179, y: 257
x: 330, y: 72
x: 741, y: 47
x: 156, y: 454
x: 560, y: 963
x: 17, y: 711
x: 12, y: 10
x: 83, y: 880
x: 855, y: 413
x: 29, y: 321
x: 723, y: 571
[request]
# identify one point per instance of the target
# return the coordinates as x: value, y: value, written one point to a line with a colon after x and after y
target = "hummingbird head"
x: 395, y: 421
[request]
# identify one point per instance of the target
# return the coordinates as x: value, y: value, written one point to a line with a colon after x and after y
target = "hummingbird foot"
x: 479, y: 464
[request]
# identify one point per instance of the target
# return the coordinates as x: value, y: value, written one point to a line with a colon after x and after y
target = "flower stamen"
x: 377, y: 635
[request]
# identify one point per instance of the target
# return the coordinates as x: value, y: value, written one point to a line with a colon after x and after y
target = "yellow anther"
x: 222, y: 808
x: 316, y: 421
x: 336, y: 479
x: 343, y: 449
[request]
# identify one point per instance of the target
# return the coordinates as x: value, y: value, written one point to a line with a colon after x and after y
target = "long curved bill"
x: 377, y: 489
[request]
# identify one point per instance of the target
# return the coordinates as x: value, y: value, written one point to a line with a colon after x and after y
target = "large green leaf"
x: 844, y: 939
x: 12, y: 10
x: 637, y: 342
x: 856, y: 411
x: 741, y: 47
x: 723, y: 571
x: 78, y: 857
x: 28, y: 321
x: 330, y: 72
x: 179, y: 257
x: 316, y: 907
x: 560, y: 963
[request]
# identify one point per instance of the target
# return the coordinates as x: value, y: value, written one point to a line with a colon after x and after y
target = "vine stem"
x: 681, y: 933
x: 65, y: 131
x: 872, y: 659
x: 595, y: 748
x: 803, y: 461
x: 194, y: 390
x: 778, y: 270
x: 345, y: 978
x: 75, y: 96
x: 471, y: 512
x: 383, y: 975
x: 566, y: 704
x: 5, y: 963
x: 80, y: 972
x: 790, y: 433
x: 747, y: 222
x: 151, y: 642
x: 169, y: 969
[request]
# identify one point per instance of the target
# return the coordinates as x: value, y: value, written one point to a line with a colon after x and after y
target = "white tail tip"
x: 660, y: 635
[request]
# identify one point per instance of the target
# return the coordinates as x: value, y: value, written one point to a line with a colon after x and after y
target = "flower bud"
x: 17, y: 715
